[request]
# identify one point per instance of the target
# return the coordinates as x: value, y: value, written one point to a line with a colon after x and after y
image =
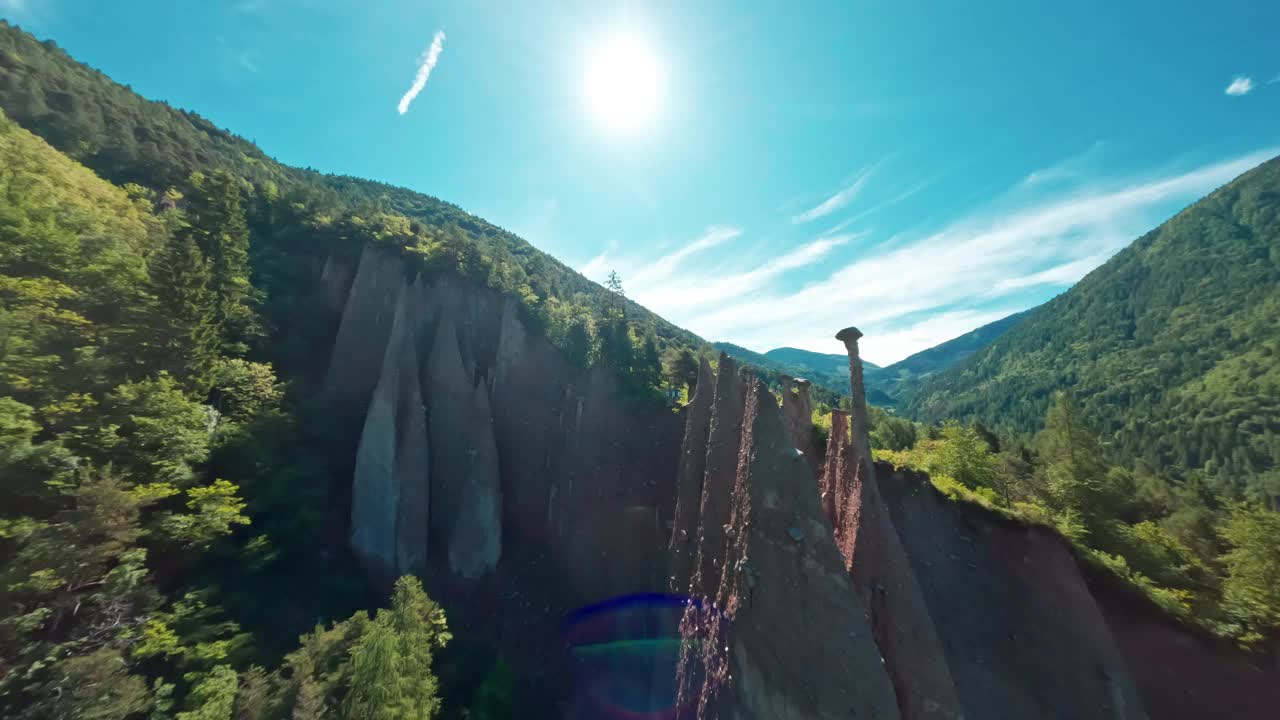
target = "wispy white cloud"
x: 979, y: 261
x: 661, y: 270
x: 1240, y: 86
x: 835, y: 202
x: 676, y: 283
x: 721, y: 283
x: 426, y: 64
x: 1073, y: 168
x: 236, y: 58
x: 1065, y: 274
x: 913, y: 337
x: 1274, y: 80
x: 247, y: 59
x: 30, y: 14
x: 597, y: 267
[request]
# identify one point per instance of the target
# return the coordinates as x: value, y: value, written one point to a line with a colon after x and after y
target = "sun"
x: 623, y: 83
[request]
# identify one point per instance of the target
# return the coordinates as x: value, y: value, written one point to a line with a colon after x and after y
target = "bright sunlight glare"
x: 623, y: 83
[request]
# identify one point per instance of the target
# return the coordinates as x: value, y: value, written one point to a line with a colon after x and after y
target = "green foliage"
x: 108, y: 495
x: 242, y: 389
x: 97, y: 686
x: 1251, y: 589
x: 1073, y: 465
x: 572, y: 329
x: 1154, y: 552
x: 372, y: 668
x: 185, y: 342
x: 72, y: 265
x: 217, y: 225
x: 151, y: 429
x: 890, y: 432
x: 420, y: 628
x: 259, y: 696
x: 376, y: 691
x: 494, y: 697
x: 680, y: 368
x: 212, y: 511
x: 962, y: 455
x: 214, y: 696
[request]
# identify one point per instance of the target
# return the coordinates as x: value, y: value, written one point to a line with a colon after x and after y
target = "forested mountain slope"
x: 903, y: 377
x: 821, y: 362
x: 1171, y: 348
x: 126, y: 138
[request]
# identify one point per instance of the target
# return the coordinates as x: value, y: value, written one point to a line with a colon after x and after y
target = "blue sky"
x: 914, y: 168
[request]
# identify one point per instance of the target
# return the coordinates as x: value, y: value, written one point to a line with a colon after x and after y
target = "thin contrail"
x: 428, y: 60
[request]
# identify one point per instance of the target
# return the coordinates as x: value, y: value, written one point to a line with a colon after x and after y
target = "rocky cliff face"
x: 390, y: 489
x: 1182, y: 675
x: 820, y: 584
x: 474, y: 430
x: 877, y: 563
x: 862, y: 592
x: 777, y: 630
x: 1020, y: 632
x: 519, y: 486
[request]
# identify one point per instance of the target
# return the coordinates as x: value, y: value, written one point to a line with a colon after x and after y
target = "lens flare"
x: 625, y: 652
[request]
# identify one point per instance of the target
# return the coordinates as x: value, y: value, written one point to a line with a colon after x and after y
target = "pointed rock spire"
x: 723, y: 444
x: 797, y: 413
x: 465, y: 494
x: 693, y: 464
x: 782, y: 635
x: 881, y: 572
x: 390, y: 490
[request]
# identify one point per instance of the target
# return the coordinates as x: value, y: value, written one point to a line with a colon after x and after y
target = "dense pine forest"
x: 1169, y: 349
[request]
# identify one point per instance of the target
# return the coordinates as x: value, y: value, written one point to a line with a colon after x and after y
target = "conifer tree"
x: 217, y: 224
x: 681, y: 367
x: 649, y: 363
x: 420, y: 628
x: 377, y: 689
x: 214, y: 697
x: 186, y: 341
x: 1074, y: 467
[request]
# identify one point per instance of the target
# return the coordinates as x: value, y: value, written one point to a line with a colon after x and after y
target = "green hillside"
x: 1171, y: 349
x: 126, y: 138
x: 819, y: 362
x: 901, y: 379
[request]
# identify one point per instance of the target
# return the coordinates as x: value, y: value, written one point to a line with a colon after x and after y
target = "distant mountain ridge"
x: 952, y: 352
x: 888, y: 386
x: 901, y: 379
x: 822, y: 362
